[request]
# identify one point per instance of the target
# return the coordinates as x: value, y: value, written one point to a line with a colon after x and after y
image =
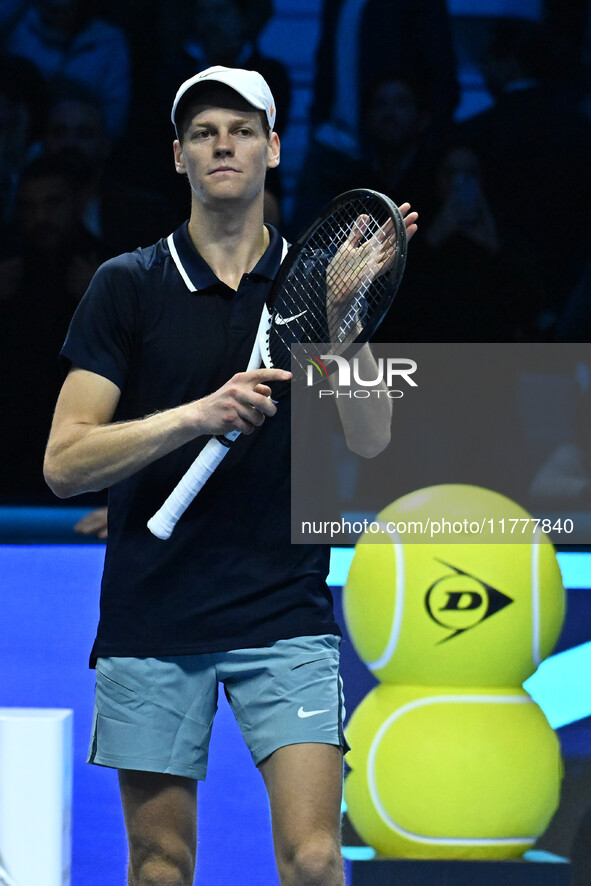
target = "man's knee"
x: 315, y: 862
x: 160, y: 819
x: 159, y: 867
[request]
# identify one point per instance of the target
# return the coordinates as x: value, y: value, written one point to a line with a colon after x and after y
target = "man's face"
x: 393, y: 116
x: 61, y: 16
x: 221, y: 29
x: 225, y: 151
x: 76, y: 125
x: 460, y: 169
x: 47, y: 212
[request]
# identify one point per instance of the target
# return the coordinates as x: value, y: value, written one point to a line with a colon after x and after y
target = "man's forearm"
x: 87, y: 451
x: 366, y: 421
x: 90, y: 458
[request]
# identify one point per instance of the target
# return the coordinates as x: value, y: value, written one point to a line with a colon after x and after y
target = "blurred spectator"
x: 66, y: 39
x: 40, y: 285
x: 361, y: 39
x: 398, y: 157
x: 10, y: 12
x: 225, y: 32
x: 534, y: 147
x: 564, y: 479
x: 362, y: 42
x: 122, y: 216
x: 458, y: 285
x: 22, y: 110
x: 554, y: 400
x: 52, y: 241
x: 464, y: 210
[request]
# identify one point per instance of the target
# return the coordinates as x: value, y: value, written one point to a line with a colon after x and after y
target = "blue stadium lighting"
x: 540, y: 855
x: 576, y: 569
x: 358, y: 853
x: 574, y: 565
x: 560, y: 686
x: 340, y: 561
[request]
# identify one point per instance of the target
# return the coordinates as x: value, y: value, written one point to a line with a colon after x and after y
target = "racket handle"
x: 165, y: 519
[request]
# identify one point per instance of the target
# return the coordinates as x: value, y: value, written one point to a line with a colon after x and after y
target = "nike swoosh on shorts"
x: 302, y: 713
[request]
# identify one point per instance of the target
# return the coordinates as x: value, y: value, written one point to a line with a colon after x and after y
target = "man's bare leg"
x: 161, y: 820
x: 304, y: 782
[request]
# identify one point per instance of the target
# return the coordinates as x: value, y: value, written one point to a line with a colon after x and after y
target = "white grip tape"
x: 165, y: 519
x: 163, y: 522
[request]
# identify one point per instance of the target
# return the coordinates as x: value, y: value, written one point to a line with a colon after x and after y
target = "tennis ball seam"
x: 371, y: 781
x: 392, y: 643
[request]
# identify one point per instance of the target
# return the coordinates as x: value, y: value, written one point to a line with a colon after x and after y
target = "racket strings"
x: 340, y: 282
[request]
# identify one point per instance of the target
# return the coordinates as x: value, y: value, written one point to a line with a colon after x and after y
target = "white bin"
x: 35, y: 796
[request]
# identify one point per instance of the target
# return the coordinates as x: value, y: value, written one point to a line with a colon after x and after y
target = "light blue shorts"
x: 156, y: 714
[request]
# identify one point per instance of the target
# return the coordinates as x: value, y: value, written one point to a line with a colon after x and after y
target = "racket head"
x: 338, y: 278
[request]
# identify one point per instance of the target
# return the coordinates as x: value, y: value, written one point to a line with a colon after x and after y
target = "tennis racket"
x: 335, y: 285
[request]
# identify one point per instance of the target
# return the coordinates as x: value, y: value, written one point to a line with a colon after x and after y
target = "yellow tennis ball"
x: 451, y: 772
x: 453, y: 613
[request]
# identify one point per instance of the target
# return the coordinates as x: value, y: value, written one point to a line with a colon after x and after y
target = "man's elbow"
x: 56, y: 478
x: 370, y: 445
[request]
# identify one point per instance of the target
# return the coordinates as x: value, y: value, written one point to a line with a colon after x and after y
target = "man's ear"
x: 179, y: 161
x: 274, y: 151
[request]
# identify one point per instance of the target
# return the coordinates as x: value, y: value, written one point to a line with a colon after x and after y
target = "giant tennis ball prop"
x: 451, y: 772
x: 453, y: 612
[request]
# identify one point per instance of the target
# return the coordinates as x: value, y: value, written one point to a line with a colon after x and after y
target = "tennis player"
x: 155, y: 355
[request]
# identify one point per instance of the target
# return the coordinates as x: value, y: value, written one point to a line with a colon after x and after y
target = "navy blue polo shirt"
x: 161, y: 326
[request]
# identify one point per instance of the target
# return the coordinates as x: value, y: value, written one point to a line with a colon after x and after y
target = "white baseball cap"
x: 249, y: 84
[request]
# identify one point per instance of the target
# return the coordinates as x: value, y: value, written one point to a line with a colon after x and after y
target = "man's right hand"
x: 242, y: 404
x: 88, y: 451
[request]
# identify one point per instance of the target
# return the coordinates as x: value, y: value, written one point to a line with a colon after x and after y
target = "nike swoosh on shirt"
x: 302, y: 713
x: 282, y: 321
